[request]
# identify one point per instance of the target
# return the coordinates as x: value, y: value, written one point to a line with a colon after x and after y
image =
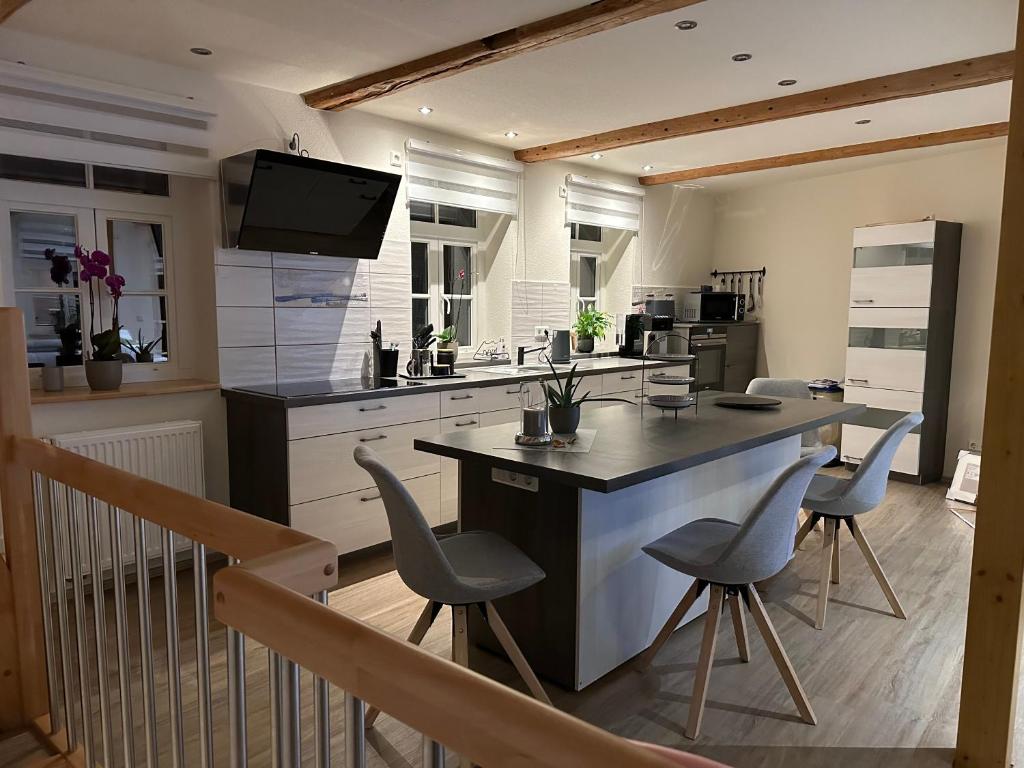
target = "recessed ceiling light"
x: 686, y: 24
x: 648, y: 167
x: 742, y: 57
x: 861, y: 122
x: 787, y: 82
x: 425, y: 110
x: 510, y: 134
x: 596, y: 156
x: 201, y: 51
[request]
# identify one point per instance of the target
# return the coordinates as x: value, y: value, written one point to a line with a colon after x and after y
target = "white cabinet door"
x: 450, y: 467
x: 357, y: 520
x: 887, y: 399
x: 888, y: 317
x: 505, y: 416
x: 323, y: 466
x: 857, y: 441
x: 885, y: 368
x: 621, y: 381
x: 459, y: 401
x: 498, y: 398
x: 313, y: 420
x: 891, y: 286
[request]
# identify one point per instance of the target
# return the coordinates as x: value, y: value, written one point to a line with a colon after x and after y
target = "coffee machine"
x: 648, y: 334
x: 632, y: 336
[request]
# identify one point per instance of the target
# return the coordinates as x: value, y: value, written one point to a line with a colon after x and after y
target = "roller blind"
x: 602, y: 203
x: 447, y: 176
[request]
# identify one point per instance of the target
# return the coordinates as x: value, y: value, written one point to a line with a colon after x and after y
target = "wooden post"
x: 992, y: 653
x: 23, y: 691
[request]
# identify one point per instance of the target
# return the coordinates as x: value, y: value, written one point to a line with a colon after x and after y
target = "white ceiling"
x: 637, y: 73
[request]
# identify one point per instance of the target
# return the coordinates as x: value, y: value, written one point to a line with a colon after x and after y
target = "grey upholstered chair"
x: 729, y: 557
x: 473, y: 568
x: 810, y: 442
x: 837, y: 500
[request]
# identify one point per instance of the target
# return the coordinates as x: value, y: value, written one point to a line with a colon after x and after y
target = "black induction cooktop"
x: 328, y: 387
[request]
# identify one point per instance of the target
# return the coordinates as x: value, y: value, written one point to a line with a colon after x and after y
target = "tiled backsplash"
x: 538, y: 303
x: 291, y: 317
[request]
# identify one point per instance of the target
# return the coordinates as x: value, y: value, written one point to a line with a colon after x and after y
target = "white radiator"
x: 169, y: 453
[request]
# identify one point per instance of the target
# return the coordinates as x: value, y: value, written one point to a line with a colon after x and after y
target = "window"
x: 443, y: 286
x: 450, y: 215
x: 585, y: 281
x: 586, y: 232
x: 127, y: 180
x: 67, y: 174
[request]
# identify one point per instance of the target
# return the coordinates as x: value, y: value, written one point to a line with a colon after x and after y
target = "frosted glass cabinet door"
x: 905, y: 255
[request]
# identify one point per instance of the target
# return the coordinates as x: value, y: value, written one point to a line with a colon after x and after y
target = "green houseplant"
x: 590, y: 324
x: 141, y: 350
x: 563, y: 405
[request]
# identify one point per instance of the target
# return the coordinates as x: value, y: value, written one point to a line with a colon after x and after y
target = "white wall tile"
x: 396, y: 323
x: 245, y: 327
x: 244, y: 287
x: 391, y: 289
x: 234, y: 257
x: 322, y: 325
x: 316, y: 288
x: 321, y: 263
x: 395, y: 256
x: 321, y: 361
x: 247, y: 365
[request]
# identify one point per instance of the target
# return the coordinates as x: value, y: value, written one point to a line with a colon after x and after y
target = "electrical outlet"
x: 540, y: 332
x: 395, y: 158
x: 515, y: 479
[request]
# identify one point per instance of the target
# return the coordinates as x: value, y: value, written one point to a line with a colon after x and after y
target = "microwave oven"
x: 714, y: 307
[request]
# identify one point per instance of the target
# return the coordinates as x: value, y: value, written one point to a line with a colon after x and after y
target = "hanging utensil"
x: 751, y: 302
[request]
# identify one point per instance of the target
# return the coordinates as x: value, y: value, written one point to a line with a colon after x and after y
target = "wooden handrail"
x: 477, y: 717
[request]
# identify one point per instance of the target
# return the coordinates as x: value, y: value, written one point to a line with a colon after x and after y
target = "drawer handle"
x: 465, y: 423
x: 852, y: 458
x: 461, y: 397
x: 863, y: 301
x: 369, y: 498
x: 627, y: 378
x: 372, y: 439
x: 858, y: 381
x: 511, y: 391
x: 638, y: 397
x: 375, y: 408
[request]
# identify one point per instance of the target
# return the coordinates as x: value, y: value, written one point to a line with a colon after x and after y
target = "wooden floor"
x: 885, y: 691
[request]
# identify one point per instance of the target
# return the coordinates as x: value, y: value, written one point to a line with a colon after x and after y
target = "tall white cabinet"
x: 903, y: 289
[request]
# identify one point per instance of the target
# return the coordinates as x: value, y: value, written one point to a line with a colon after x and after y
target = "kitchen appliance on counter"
x: 561, y: 347
x: 633, y: 331
x: 664, y: 307
x: 714, y: 307
x: 660, y: 340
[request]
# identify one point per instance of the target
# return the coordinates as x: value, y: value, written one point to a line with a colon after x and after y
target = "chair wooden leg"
x: 647, y: 658
x: 805, y: 528
x: 512, y: 649
x: 707, y: 658
x: 739, y: 626
x: 828, y: 543
x: 771, y: 639
x: 835, y: 557
x: 419, y: 629
x: 876, y: 569
x: 460, y: 636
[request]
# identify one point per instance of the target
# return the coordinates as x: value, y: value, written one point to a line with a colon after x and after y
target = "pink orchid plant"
x: 97, y: 265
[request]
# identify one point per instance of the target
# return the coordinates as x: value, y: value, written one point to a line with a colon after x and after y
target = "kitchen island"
x: 583, y: 517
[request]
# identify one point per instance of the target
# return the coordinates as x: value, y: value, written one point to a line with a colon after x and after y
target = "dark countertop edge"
x: 588, y: 483
x: 442, y: 385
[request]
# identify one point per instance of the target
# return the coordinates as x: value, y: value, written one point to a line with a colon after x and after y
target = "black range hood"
x: 275, y: 201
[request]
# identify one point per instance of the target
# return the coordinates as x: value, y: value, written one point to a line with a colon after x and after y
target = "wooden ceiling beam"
x: 8, y: 7
x: 973, y: 133
x: 969, y: 73
x: 579, y: 22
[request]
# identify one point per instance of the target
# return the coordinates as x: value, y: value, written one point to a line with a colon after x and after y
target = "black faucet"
x: 522, y: 352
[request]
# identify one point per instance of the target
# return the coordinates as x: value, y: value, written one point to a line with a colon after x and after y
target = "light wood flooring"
x: 885, y: 691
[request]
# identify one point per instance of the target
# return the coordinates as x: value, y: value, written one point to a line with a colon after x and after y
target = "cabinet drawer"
x: 505, y: 416
x: 885, y: 368
x: 630, y: 396
x: 887, y: 399
x: 857, y: 441
x: 620, y: 381
x: 323, y: 466
x: 459, y: 401
x: 888, y: 317
x: 891, y: 286
x: 333, y: 418
x: 497, y: 398
x: 357, y: 520
x: 460, y: 423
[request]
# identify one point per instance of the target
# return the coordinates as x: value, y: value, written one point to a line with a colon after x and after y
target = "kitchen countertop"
x: 628, y: 450
x: 300, y: 394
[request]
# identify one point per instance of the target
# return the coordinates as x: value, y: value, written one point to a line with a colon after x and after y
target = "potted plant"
x: 104, y: 368
x: 141, y: 350
x: 448, y: 339
x: 563, y: 407
x: 590, y: 324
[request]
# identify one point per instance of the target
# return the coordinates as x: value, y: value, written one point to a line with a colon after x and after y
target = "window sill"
x: 137, y: 389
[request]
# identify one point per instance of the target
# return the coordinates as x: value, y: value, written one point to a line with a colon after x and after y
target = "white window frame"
x: 435, y: 276
x: 584, y: 249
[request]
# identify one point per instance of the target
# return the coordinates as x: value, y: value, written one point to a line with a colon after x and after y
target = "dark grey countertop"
x: 300, y: 394
x: 629, y: 450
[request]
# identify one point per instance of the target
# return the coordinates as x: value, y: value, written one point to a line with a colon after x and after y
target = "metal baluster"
x: 433, y: 753
x: 239, y: 752
x: 124, y: 679
x: 203, y: 655
x: 173, y: 661
x: 274, y: 663
x: 322, y: 712
x: 99, y: 625
x: 146, y: 641
x: 58, y: 530
x: 41, y: 501
x: 291, y: 738
x: 355, y: 732
x: 84, y: 667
